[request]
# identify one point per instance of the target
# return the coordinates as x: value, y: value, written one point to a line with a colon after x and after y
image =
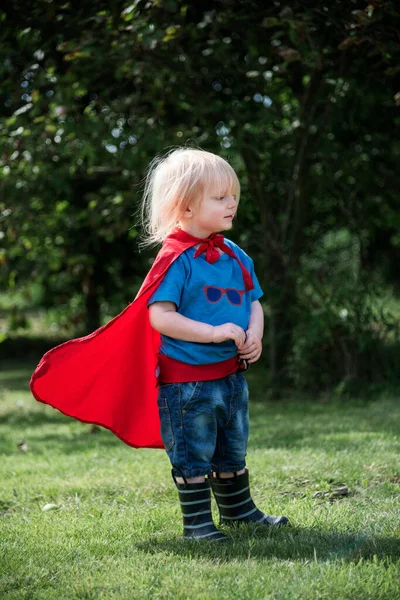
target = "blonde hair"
x: 177, y: 179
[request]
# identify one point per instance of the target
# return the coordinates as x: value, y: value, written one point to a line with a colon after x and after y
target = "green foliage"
x: 346, y: 345
x: 348, y: 330
x: 301, y: 99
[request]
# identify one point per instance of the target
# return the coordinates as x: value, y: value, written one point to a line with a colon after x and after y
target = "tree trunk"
x: 282, y: 303
x: 276, y: 276
x: 283, y: 224
x: 92, y: 303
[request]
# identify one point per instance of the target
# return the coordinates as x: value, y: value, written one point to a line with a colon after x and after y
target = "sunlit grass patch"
x: 113, y: 529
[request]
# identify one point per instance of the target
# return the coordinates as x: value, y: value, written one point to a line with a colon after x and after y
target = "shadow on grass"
x: 290, y: 544
x: 272, y: 427
x: 315, y: 426
x: 288, y: 426
x: 72, y: 443
x: 36, y: 418
x: 31, y: 348
x: 16, y: 381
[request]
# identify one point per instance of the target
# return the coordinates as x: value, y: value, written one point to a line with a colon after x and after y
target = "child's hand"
x: 229, y: 331
x: 252, y: 348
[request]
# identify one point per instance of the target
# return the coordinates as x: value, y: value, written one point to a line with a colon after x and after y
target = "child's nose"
x: 232, y: 200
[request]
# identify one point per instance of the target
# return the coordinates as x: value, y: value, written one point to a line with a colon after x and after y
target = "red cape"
x: 109, y: 377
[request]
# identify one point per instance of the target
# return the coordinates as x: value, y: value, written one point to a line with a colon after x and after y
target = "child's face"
x: 213, y: 214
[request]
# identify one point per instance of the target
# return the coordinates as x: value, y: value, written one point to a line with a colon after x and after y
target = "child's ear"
x: 188, y: 213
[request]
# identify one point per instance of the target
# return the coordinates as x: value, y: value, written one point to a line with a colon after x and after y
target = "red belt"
x: 175, y: 371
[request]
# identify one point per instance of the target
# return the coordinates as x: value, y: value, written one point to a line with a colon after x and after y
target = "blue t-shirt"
x: 212, y: 293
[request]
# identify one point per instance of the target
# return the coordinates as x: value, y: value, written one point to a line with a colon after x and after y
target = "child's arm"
x: 165, y: 319
x: 256, y: 322
x: 252, y: 349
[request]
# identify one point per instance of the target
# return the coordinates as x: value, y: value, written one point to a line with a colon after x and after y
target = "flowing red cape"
x: 109, y: 377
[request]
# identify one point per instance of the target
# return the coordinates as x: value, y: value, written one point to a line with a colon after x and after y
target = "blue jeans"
x: 205, y: 424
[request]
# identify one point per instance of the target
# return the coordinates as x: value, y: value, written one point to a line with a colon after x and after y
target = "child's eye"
x: 222, y: 197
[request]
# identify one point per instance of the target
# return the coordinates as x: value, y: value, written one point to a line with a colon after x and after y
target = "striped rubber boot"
x: 195, y: 500
x: 235, y: 503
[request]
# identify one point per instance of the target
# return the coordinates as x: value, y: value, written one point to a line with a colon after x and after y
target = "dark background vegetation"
x: 302, y: 98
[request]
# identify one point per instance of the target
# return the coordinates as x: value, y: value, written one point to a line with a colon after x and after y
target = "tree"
x: 292, y: 103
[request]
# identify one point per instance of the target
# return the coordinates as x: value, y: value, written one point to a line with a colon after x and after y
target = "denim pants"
x: 205, y: 424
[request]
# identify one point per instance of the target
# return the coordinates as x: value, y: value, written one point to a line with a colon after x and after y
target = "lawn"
x: 115, y: 529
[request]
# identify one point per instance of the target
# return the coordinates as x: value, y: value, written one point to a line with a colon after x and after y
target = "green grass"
x: 116, y: 531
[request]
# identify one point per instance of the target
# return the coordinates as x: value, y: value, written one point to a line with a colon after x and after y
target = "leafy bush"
x: 348, y: 332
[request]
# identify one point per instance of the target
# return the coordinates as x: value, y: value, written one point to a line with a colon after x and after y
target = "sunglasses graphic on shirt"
x: 214, y: 294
